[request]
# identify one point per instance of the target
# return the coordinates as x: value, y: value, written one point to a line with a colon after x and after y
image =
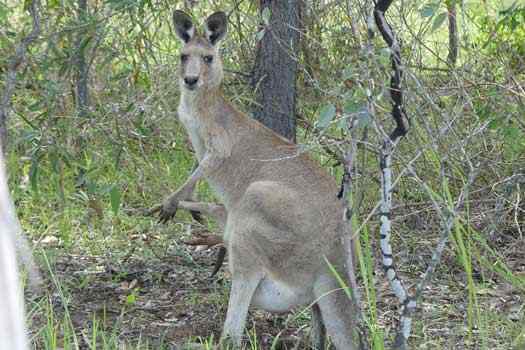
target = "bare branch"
x: 398, y: 110
x: 347, y: 193
x: 385, y: 160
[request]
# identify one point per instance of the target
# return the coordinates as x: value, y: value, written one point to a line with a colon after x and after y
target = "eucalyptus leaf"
x: 3, y: 12
x: 363, y: 117
x: 326, y: 115
x: 351, y: 106
x: 342, y: 123
x: 348, y: 73
x: 115, y: 197
x: 438, y: 21
x: 260, y: 34
x: 429, y: 9
x: 266, y: 14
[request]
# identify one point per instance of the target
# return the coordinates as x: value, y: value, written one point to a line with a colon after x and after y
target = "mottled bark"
x: 275, y: 70
x: 385, y: 164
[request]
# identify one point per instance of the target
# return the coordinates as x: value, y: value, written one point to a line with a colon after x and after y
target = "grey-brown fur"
x: 283, y: 217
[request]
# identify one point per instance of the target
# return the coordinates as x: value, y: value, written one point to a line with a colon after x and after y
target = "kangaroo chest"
x: 209, y: 130
x: 190, y: 121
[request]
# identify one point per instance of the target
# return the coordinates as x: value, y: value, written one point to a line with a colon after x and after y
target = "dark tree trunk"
x: 82, y: 70
x: 452, y: 33
x: 275, y: 70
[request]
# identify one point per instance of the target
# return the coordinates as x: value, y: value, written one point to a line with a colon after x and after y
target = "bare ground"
x: 162, y: 303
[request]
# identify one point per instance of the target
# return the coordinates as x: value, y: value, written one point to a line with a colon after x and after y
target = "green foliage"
x: 326, y: 115
x: 429, y: 9
x: 86, y: 182
x: 505, y: 33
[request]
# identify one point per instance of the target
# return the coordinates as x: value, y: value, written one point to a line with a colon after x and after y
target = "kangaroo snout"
x: 191, y: 82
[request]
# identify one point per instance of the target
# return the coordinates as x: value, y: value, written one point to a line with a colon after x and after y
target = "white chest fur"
x: 190, y: 120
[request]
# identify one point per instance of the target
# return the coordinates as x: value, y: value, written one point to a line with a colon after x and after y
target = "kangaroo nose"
x: 191, y: 81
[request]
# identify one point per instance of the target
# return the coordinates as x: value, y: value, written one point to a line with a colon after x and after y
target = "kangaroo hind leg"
x: 337, y: 312
x: 241, y: 293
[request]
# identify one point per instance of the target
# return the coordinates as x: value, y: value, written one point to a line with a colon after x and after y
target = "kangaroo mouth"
x: 190, y: 87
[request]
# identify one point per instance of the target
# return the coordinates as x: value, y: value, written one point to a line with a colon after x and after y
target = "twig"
x: 349, y: 238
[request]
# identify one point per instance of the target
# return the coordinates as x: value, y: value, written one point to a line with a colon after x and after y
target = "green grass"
x: 91, y: 201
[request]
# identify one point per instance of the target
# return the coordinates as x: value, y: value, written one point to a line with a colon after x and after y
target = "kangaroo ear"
x: 216, y: 27
x: 183, y: 25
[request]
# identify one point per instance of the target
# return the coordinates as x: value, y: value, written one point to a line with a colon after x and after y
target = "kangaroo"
x: 283, y: 222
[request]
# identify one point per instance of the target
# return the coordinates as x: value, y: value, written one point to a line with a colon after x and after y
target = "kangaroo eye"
x: 208, y: 59
x: 183, y: 58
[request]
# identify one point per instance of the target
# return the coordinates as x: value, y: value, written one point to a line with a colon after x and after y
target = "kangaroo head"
x: 200, y: 63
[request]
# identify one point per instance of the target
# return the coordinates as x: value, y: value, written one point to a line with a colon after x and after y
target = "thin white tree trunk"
x: 12, y: 328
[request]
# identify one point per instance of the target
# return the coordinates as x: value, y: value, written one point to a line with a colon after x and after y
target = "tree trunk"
x: 452, y: 33
x: 82, y: 73
x: 275, y: 70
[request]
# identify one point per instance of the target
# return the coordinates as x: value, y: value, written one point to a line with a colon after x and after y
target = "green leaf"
x: 266, y: 14
x: 53, y: 4
x: 342, y: 123
x: 55, y: 162
x: 114, y: 195
x: 91, y: 186
x: 3, y: 13
x: 131, y: 299
x: 363, y: 118
x: 385, y: 56
x: 27, y: 4
x: 35, y: 106
x: 509, y: 9
x: 33, y: 174
x: 260, y: 34
x: 84, y: 43
x: 429, y: 9
x: 438, y: 21
x: 351, y: 106
x: 348, y: 73
x: 326, y: 115
x: 338, y: 277
x: 124, y: 73
x: 514, y: 143
x: 494, y: 124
